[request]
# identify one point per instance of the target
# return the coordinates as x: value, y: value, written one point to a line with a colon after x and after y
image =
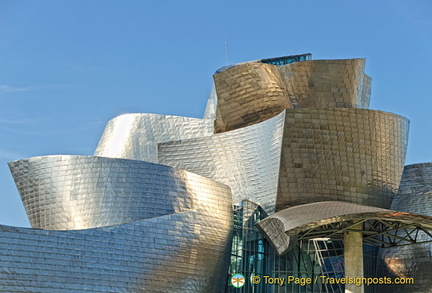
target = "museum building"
x: 287, y: 175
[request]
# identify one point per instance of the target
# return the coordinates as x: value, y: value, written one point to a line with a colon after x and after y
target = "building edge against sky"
x: 289, y: 142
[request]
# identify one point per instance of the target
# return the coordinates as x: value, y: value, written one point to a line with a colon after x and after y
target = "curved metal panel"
x: 248, y: 93
x: 353, y: 155
x: 181, y: 252
x: 211, y: 106
x: 366, y: 92
x: 135, y: 136
x: 292, y: 221
x: 327, y: 83
x: 324, y: 166
x: 80, y: 192
x: 245, y: 159
x: 252, y: 92
x: 414, y: 196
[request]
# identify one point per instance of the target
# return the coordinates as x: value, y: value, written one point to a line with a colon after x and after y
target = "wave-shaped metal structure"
x: 135, y: 136
x: 247, y: 159
x: 82, y: 192
x: 151, y: 211
x: 154, y: 228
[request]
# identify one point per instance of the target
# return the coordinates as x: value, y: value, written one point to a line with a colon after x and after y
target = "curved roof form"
x: 247, y: 94
x: 329, y: 219
x: 135, y: 136
x: 80, y: 192
x: 253, y: 92
x: 294, y: 137
x: 246, y: 159
x: 181, y: 252
x: 302, y: 156
x: 181, y: 245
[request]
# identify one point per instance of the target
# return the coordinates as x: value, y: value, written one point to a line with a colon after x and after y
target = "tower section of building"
x: 289, y: 142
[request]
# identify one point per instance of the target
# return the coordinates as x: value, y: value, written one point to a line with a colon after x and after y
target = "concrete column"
x: 353, y: 256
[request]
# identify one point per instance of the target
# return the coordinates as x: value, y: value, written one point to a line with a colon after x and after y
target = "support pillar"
x: 353, y: 258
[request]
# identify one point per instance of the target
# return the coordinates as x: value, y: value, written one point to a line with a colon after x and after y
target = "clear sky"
x: 67, y: 67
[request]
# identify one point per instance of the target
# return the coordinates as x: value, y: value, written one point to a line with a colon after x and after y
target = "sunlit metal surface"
x: 135, y: 136
x: 414, y: 196
x: 351, y: 155
x: 252, y: 92
x: 323, y: 155
x: 80, y: 192
x: 327, y: 83
x: 245, y: 159
x: 247, y: 94
x: 290, y: 134
x: 210, y: 110
x: 185, y: 250
x: 324, y: 219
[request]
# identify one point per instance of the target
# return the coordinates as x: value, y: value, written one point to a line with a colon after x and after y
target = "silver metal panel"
x: 210, y: 110
x: 283, y: 226
x: 414, y: 196
x: 159, y: 229
x: 245, y: 159
x: 135, y: 136
x: 81, y: 192
x: 186, y: 251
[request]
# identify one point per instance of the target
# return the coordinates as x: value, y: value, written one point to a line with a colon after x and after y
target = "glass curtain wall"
x: 252, y: 256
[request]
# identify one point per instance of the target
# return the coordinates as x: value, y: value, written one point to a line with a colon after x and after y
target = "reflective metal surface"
x: 247, y: 94
x: 315, y: 220
x: 252, y: 92
x: 292, y: 135
x: 414, y: 196
x: 327, y: 83
x: 210, y: 110
x: 352, y: 155
x: 81, y: 192
x: 185, y: 250
x: 135, y: 136
x: 245, y: 159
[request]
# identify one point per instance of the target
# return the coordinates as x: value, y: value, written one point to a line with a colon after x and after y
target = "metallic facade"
x: 289, y: 141
x: 182, y: 248
x: 247, y: 94
x: 246, y: 159
x: 309, y: 221
x: 351, y: 155
x: 254, y: 91
x: 414, y: 196
x: 82, y: 192
x: 135, y: 136
x: 327, y: 83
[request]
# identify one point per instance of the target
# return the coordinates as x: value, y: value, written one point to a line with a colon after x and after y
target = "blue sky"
x: 67, y: 67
